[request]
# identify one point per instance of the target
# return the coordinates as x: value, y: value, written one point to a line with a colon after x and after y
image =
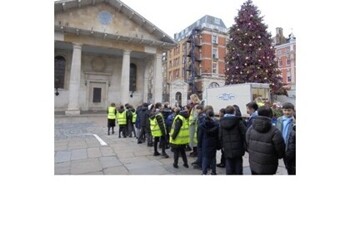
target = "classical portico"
x: 105, y: 52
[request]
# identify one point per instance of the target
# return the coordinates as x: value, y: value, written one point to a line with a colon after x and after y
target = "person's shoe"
x: 193, y: 154
x: 139, y: 142
x: 165, y: 155
x: 156, y: 154
x: 175, y: 165
x: 108, y: 132
x: 213, y: 173
x: 186, y: 165
x: 120, y: 137
x: 194, y: 163
x: 220, y: 165
x: 113, y: 132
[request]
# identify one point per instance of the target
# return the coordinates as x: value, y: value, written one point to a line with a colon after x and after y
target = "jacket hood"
x: 229, y: 122
x: 209, y: 125
x: 262, y: 124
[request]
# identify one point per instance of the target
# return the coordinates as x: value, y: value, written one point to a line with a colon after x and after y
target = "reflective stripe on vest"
x: 121, y: 117
x: 155, y: 129
x: 183, y: 137
x: 134, y: 116
x: 111, y: 113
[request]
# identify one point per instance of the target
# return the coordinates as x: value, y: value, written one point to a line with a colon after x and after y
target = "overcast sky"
x: 173, y: 16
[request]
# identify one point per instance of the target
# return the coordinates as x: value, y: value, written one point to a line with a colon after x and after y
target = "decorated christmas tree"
x: 250, y: 55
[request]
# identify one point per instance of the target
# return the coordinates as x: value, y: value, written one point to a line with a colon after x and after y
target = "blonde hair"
x: 194, y: 98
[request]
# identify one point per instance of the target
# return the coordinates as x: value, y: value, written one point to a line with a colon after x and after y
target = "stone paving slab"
x: 109, y: 161
x: 62, y: 167
x: 94, y: 152
x: 116, y: 171
x: 107, y: 151
x: 62, y: 156
x: 78, y: 154
x: 85, y: 166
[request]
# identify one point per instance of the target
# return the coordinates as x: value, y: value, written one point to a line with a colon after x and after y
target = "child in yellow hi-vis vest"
x: 111, y: 116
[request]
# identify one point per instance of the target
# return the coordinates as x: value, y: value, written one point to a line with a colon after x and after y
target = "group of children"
x: 196, y: 128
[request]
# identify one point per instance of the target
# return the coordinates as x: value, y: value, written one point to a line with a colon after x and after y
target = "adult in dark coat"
x: 265, y: 144
x: 208, y: 142
x: 232, y: 139
x: 142, y: 115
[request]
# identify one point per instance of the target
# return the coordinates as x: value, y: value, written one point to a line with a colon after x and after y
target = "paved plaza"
x: 82, y: 147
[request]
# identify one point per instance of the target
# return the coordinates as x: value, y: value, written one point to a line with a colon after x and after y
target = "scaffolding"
x: 192, y: 59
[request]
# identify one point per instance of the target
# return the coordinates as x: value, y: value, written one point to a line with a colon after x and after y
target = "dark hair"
x: 252, y: 105
x: 229, y: 110
x: 265, y: 111
x: 210, y: 113
x: 158, y: 105
x: 237, y: 110
x: 222, y: 111
x: 288, y: 105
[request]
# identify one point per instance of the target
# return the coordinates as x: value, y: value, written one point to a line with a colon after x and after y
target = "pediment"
x: 108, y: 17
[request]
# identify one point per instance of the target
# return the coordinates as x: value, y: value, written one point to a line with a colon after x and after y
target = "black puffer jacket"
x: 208, y: 137
x: 142, y: 114
x: 232, y: 136
x: 265, y: 146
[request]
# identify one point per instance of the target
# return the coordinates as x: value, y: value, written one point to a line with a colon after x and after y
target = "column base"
x: 72, y: 112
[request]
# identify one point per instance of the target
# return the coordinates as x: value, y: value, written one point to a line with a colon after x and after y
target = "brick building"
x: 286, y: 56
x: 198, y: 60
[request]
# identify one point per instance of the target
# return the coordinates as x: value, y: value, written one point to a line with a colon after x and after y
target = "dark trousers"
x: 208, y: 163
x: 163, y: 143
x: 145, y: 135
x: 177, y: 151
x: 222, y: 160
x: 234, y: 166
x: 122, y: 130
x: 131, y: 129
x: 290, y: 166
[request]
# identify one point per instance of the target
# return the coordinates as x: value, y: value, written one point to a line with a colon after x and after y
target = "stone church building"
x: 105, y: 52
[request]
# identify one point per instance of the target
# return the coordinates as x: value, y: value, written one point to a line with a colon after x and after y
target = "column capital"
x: 77, y: 45
x: 126, y: 52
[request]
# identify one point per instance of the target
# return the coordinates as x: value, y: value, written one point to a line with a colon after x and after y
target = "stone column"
x: 158, y: 79
x: 74, y: 83
x: 124, y: 87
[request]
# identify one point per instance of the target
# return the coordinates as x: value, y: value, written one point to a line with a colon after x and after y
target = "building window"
x: 280, y: 64
x: 214, y: 39
x: 215, y: 70
x: 60, y: 68
x: 289, y: 77
x: 217, y: 20
x: 213, y: 85
x: 215, y: 53
x: 170, y: 63
x: 288, y: 62
x: 133, y: 73
x: 178, y: 98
